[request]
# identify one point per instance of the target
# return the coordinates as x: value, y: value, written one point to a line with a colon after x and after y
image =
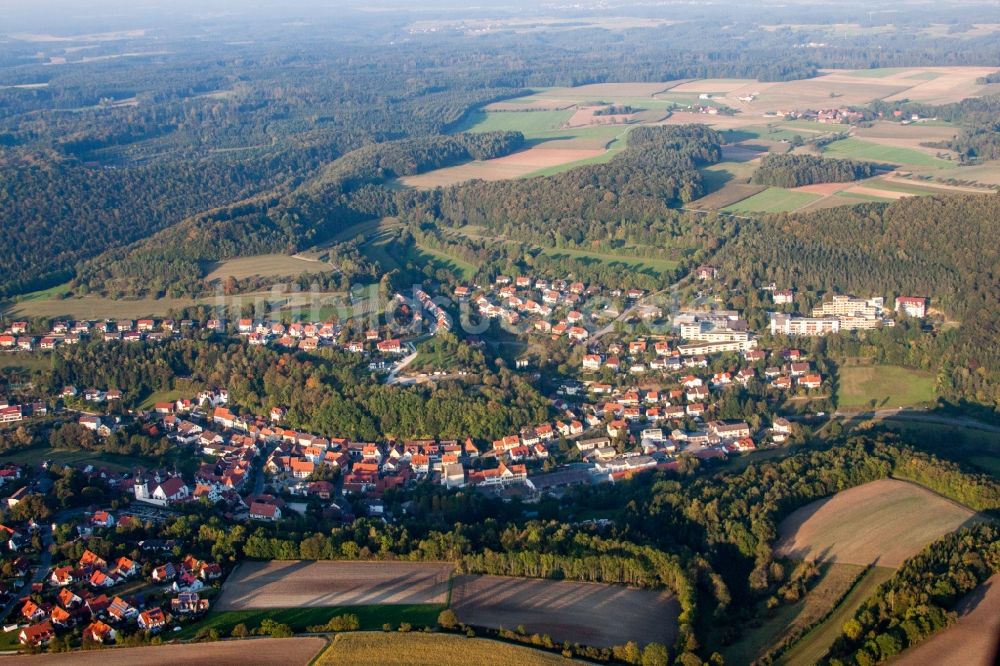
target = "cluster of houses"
x: 18, y: 335
x: 15, y: 413
x: 843, y: 313
x: 537, y: 302
x: 82, y: 595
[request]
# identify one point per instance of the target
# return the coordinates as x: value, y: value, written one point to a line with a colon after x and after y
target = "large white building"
x: 782, y: 324
x: 913, y: 306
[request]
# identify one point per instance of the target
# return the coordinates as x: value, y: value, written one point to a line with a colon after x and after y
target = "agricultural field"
x: 972, y: 446
x: 264, y: 651
x: 972, y: 641
x: 811, y: 648
x: 266, y: 265
x: 773, y: 200
x: 888, y: 385
x: 419, y: 649
x: 298, y: 584
x: 540, y: 159
x: 882, y: 522
x: 567, y: 610
x: 791, y: 619
x: 858, y: 149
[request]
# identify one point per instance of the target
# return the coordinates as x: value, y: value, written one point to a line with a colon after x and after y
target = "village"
x: 657, y: 401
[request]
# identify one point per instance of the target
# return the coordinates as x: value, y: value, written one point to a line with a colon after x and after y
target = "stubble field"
x: 883, y: 522
x: 588, y: 613
x: 297, y: 584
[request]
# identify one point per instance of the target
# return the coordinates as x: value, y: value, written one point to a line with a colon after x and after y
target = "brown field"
x: 712, y: 86
x: 296, y: 584
x: 544, y: 104
x: 257, y: 651
x: 729, y: 194
x: 876, y: 192
x: 266, y: 265
x: 514, y: 165
x: 826, y: 189
x: 584, y: 117
x: 413, y: 649
x: 588, y: 613
x: 973, y: 641
x: 882, y: 522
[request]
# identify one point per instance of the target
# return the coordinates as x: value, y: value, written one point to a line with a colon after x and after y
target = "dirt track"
x: 588, y: 613
x: 295, y: 584
x: 259, y: 652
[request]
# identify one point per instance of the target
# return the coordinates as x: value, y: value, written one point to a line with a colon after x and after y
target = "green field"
x: 452, y: 263
x: 530, y: 123
x: 34, y: 456
x: 814, y: 645
x: 32, y: 362
x: 879, y: 72
x: 45, y: 294
x: 773, y: 200
x: 872, y: 152
x: 888, y: 385
x: 371, y: 618
x: 166, y: 396
x: 641, y: 263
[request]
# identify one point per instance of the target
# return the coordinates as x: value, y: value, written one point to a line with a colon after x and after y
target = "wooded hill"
x: 942, y: 247
x: 657, y: 170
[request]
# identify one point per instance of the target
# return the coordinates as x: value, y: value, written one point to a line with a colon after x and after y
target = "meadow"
x: 858, y: 149
x: 888, y: 385
x: 772, y: 200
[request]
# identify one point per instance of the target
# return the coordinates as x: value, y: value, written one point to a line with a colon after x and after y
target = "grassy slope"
x: 815, y: 644
x: 889, y: 385
x: 639, y: 262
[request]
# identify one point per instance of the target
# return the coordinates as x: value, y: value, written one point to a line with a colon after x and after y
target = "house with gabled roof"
x: 121, y: 610
x: 153, y: 619
x: 37, y: 634
x: 99, y: 632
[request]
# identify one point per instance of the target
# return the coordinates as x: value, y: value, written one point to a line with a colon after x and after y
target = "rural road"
x: 393, y: 377
x: 42, y: 570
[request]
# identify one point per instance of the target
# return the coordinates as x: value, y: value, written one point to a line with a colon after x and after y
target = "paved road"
x: 393, y: 377
x: 41, y: 573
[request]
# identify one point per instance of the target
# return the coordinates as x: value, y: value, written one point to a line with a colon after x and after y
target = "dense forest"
x: 797, y: 170
x: 909, y: 247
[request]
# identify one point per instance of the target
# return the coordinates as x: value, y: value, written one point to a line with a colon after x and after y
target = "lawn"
x: 872, y: 152
x: 420, y: 649
x: 167, y: 396
x: 641, y: 263
x: 772, y: 200
x: 888, y: 385
x: 814, y: 645
x: 371, y: 618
